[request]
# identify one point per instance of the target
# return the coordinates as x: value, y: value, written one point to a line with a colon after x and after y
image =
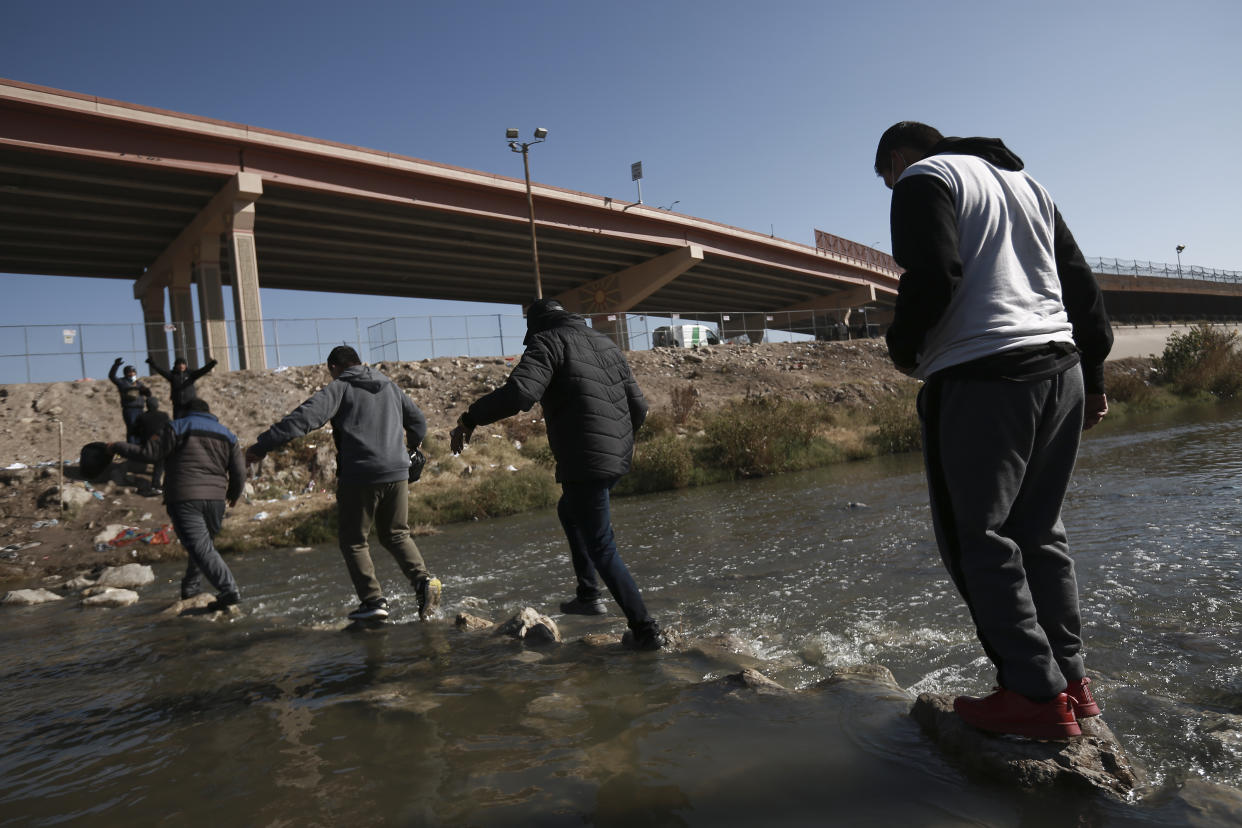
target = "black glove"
x: 460, y: 436
x: 149, y: 361
x: 417, y: 461
x: 117, y: 362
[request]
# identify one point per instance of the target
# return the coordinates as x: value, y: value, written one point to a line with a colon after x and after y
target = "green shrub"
x: 1205, y: 359
x: 507, y: 493
x: 760, y: 435
x: 1130, y: 389
x: 896, y: 422
x: 664, y: 462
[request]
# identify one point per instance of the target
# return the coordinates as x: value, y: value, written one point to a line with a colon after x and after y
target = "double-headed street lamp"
x: 524, y: 148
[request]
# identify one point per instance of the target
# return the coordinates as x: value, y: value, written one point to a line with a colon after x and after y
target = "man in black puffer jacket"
x: 592, y: 407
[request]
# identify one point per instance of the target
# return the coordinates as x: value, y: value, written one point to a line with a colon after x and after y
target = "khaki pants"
x: 385, y: 505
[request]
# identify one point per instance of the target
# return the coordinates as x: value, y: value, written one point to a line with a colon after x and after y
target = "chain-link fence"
x: 51, y: 353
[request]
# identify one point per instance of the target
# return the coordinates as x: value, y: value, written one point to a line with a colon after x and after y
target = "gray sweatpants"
x: 386, y: 506
x: 197, y: 522
x: 999, y: 456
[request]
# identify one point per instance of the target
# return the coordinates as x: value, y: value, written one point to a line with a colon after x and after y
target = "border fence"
x: 53, y: 353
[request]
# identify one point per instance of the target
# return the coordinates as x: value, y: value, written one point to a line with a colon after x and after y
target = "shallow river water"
x: 118, y: 717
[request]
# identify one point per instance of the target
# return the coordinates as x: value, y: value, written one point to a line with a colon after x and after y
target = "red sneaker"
x: 1008, y: 712
x: 1082, y: 700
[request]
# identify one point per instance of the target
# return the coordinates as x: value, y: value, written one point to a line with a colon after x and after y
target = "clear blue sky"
x: 760, y: 115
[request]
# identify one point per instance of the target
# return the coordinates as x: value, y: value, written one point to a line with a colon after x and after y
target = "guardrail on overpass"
x: 1133, y: 267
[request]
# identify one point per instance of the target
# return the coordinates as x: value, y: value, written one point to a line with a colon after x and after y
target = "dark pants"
x: 999, y: 456
x: 130, y: 416
x: 197, y: 522
x: 386, y: 505
x: 584, y: 513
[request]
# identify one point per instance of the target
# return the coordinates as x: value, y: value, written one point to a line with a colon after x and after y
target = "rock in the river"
x: 754, y: 681
x: 1094, y: 761
x: 79, y: 583
x: 111, y: 597
x: 128, y: 576
x: 1197, y: 803
x: 531, y: 627
x: 29, y: 597
x: 202, y: 606
x: 472, y: 623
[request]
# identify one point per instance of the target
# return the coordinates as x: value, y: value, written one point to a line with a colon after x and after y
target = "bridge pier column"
x: 247, y: 309
x: 180, y: 300
x: 206, y: 269
x: 153, y: 325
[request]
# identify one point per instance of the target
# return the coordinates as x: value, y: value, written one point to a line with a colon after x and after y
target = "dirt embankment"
x: 33, y: 418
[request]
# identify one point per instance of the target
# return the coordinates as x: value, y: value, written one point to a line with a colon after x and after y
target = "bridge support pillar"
x: 181, y: 302
x: 206, y: 269
x: 247, y: 309
x: 153, y: 325
x: 624, y: 289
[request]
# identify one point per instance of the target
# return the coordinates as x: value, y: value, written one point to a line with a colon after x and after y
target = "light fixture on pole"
x: 1180, y: 248
x: 524, y: 148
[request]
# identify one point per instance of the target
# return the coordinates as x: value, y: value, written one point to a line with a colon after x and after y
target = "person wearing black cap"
x: 132, y: 391
x: 181, y: 383
x: 205, y: 469
x: 593, y: 407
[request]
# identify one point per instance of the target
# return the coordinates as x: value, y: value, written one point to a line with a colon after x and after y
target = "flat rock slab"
x: 1094, y: 761
x: 111, y: 597
x: 472, y: 623
x: 29, y: 597
x: 128, y: 576
x: 201, y: 606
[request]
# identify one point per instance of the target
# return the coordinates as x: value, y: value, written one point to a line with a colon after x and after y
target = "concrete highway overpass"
x: 175, y: 203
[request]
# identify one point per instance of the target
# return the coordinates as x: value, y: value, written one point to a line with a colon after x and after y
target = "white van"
x: 683, y: 336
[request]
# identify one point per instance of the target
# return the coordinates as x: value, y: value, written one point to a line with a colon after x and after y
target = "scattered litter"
x: 97, y: 495
x: 16, y: 466
x: 288, y: 496
x: 10, y: 551
x: 280, y: 370
x: 132, y: 534
x: 41, y: 524
x: 302, y: 548
x: 517, y: 444
x: 512, y: 468
x: 146, y: 516
x: 260, y: 516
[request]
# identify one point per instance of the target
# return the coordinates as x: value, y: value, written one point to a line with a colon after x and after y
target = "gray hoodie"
x: 371, y: 420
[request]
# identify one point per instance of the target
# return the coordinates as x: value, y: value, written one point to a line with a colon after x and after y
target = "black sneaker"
x: 225, y: 600
x: 428, y: 591
x: 647, y: 637
x: 373, y: 609
x: 579, y: 606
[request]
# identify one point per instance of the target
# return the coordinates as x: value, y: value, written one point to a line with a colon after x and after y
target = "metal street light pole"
x: 524, y: 148
x: 1180, y: 248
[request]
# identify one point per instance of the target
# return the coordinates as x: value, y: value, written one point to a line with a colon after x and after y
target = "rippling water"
x: 279, y: 718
